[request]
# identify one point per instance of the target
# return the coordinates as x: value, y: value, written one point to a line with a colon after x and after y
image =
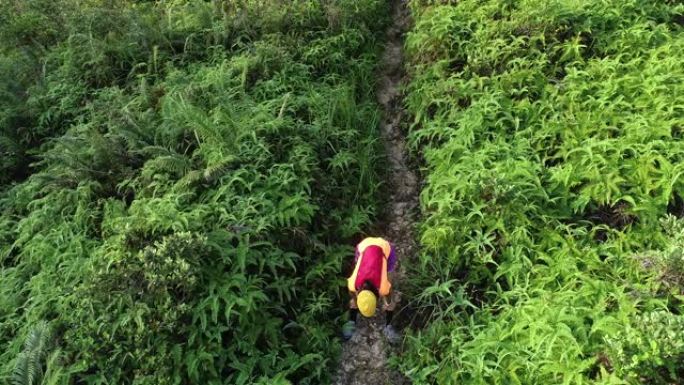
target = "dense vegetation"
x: 179, y: 183
x: 551, y: 133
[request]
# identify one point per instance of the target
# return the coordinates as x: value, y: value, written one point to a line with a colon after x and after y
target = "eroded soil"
x: 364, y: 356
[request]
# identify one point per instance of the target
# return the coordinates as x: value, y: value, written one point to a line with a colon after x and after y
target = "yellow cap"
x: 366, y: 302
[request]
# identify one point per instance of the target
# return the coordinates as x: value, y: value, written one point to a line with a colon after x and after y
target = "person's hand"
x: 388, y: 304
x: 396, y: 296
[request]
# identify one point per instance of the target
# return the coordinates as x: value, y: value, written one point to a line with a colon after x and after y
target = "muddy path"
x: 364, y: 356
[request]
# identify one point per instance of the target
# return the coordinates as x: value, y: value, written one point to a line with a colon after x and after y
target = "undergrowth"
x: 179, y: 184
x: 551, y: 134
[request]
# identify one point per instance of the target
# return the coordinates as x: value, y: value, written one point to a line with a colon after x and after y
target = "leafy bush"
x: 198, y: 170
x: 550, y: 134
x: 670, y: 261
x: 651, y: 350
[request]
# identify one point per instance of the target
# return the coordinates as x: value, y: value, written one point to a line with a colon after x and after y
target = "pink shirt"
x: 370, y: 268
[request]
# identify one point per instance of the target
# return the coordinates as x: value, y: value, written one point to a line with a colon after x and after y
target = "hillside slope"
x: 551, y: 133
x: 180, y: 183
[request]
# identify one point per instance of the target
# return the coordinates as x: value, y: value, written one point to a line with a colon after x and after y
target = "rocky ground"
x: 364, y: 357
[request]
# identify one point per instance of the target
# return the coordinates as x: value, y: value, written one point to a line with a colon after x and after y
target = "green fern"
x: 191, y: 165
x: 546, y: 130
x: 31, y: 362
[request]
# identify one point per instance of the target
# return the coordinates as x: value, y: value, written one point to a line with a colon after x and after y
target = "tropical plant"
x: 180, y: 182
x: 550, y: 138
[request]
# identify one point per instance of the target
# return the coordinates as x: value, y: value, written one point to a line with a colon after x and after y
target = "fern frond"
x: 213, y: 172
x: 176, y: 164
x: 28, y: 369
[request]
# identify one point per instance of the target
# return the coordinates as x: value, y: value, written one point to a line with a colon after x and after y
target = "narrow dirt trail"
x: 364, y: 356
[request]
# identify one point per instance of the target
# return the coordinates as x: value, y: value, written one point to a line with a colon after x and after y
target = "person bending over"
x: 374, y: 259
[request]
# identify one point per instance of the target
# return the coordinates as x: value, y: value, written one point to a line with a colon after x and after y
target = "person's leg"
x: 389, y: 305
x: 353, y: 314
x: 389, y: 314
x: 350, y: 327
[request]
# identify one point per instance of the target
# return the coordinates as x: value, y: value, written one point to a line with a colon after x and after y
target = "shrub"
x: 549, y: 133
x: 198, y: 172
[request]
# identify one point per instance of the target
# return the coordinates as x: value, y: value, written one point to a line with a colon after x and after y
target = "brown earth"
x: 365, y: 355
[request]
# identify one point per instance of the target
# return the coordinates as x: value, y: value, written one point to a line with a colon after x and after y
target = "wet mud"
x: 364, y: 359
